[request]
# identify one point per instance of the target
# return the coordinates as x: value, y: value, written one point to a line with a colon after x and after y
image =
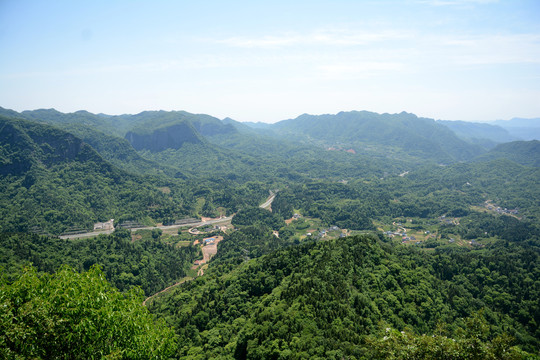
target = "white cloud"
x: 337, y: 37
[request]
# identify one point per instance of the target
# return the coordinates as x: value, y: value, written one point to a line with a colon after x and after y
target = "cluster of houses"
x: 207, y: 229
x: 206, y: 241
x: 500, y: 210
x: 476, y: 243
x: 403, y: 235
x: 324, y: 232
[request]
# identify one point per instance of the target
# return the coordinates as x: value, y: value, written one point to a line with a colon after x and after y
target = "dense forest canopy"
x: 334, y: 298
x: 384, y: 236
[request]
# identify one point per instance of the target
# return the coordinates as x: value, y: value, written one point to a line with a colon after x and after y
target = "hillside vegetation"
x: 522, y: 152
x: 338, y: 298
x: 389, y: 236
x: 52, y: 181
x: 408, y: 134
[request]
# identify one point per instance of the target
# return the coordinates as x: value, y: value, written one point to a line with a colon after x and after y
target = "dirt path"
x: 187, y: 278
x: 208, y: 250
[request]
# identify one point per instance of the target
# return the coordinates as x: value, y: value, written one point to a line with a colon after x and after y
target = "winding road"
x: 206, y: 254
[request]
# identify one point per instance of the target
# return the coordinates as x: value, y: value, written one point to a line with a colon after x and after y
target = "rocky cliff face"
x: 213, y: 128
x: 170, y: 137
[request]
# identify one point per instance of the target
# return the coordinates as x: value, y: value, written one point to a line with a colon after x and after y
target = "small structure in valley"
x: 208, y: 241
x: 108, y: 225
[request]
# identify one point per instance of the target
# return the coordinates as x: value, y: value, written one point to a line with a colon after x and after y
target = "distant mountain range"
x: 121, y: 138
x: 485, y: 135
x: 522, y: 152
x: 73, y: 169
x: 396, y: 135
x: 524, y: 129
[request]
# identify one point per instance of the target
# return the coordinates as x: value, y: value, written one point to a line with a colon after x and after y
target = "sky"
x: 473, y: 60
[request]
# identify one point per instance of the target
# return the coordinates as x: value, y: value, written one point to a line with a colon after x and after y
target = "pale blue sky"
x: 272, y: 60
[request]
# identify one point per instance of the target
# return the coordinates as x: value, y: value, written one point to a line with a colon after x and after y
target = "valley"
x: 420, y: 235
x: 256, y: 180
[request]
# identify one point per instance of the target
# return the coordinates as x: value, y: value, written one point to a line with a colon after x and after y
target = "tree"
x: 156, y: 233
x: 71, y: 315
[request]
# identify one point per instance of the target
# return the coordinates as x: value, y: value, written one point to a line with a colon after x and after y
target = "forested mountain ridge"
x: 151, y: 120
x: 99, y: 134
x: 410, y: 135
x: 486, y: 135
x: 119, y: 125
x: 57, y: 118
x: 522, y: 152
x: 26, y: 144
x: 120, y: 152
x: 52, y: 181
x: 281, y: 285
x: 176, y: 143
x: 524, y: 129
x: 339, y: 298
x: 404, y: 131
x: 166, y: 137
x: 400, y: 135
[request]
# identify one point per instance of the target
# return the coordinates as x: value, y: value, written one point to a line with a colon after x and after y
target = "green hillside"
x: 166, y: 137
x: 149, y: 264
x: 120, y: 152
x: 388, y: 236
x: 71, y: 315
x: 483, y: 134
x: 101, y: 135
x: 343, y: 298
x: 405, y: 133
x: 151, y: 120
x: 522, y: 152
x: 52, y: 181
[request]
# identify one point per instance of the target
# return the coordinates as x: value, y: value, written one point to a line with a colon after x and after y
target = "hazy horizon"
x: 268, y: 122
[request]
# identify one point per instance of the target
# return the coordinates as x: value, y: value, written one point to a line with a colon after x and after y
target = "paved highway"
x: 194, y: 224
x: 268, y: 202
x: 264, y: 205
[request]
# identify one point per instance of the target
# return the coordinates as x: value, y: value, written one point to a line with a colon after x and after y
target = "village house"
x: 209, y: 241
